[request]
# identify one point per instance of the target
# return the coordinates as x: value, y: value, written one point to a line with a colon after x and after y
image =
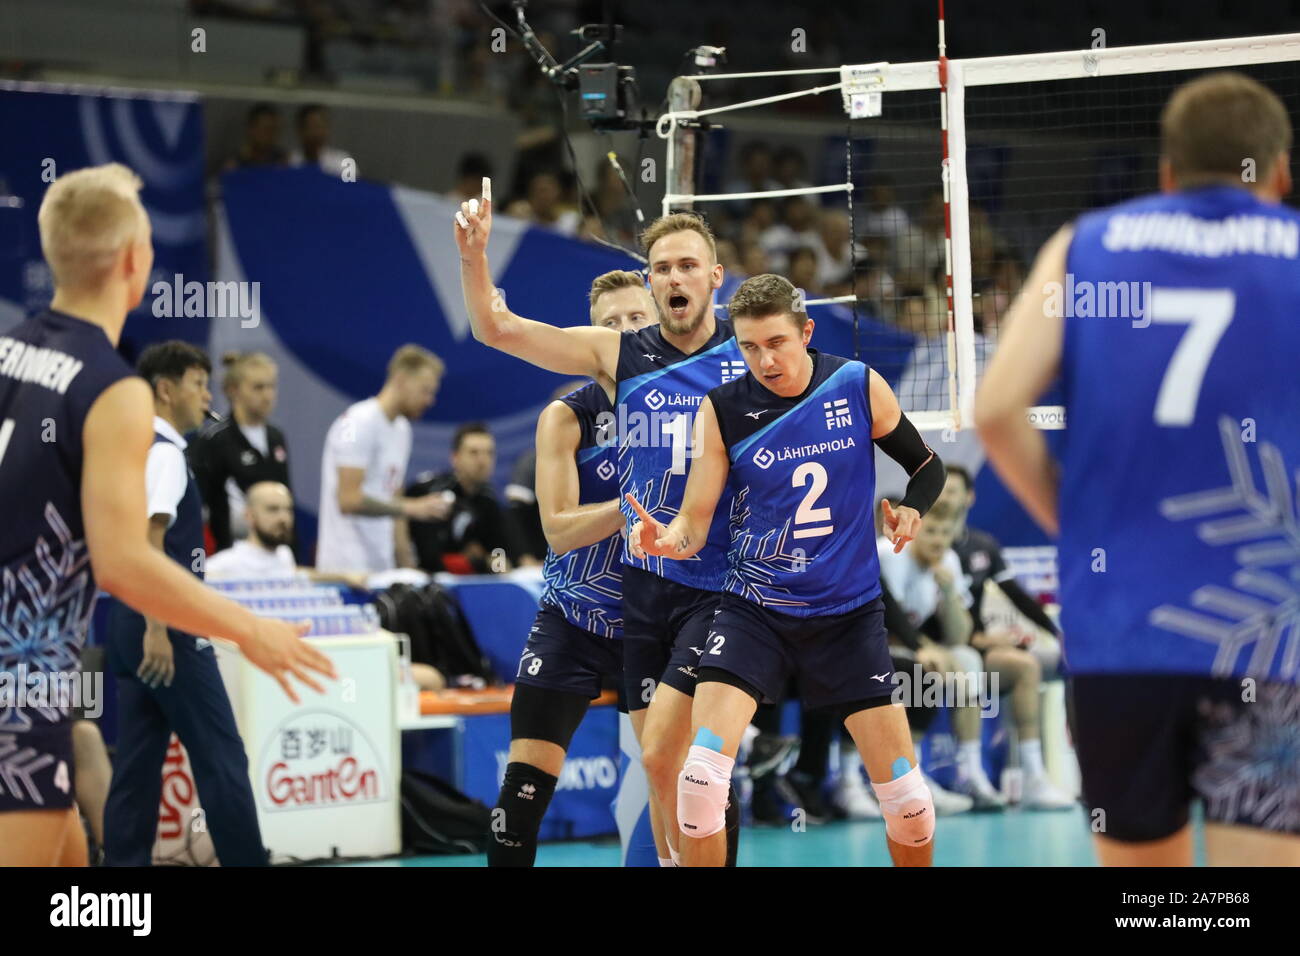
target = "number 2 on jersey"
x: 806, y: 513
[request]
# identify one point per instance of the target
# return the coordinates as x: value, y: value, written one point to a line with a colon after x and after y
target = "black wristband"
x: 926, y: 472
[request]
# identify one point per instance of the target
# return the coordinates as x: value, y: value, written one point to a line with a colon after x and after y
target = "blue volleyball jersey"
x: 53, y: 368
x: 803, y: 538
x: 586, y: 584
x: 659, y: 389
x: 1179, y: 550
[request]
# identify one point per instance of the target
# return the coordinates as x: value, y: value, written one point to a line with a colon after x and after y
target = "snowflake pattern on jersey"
x: 44, y: 612
x: 653, y: 496
x: 583, y: 583
x: 1260, y: 613
x: 1251, y: 773
x: 755, y: 561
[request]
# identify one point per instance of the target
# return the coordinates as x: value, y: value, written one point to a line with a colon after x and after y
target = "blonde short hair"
x: 412, y: 358
x: 678, y: 222
x: 613, y: 281
x: 86, y: 219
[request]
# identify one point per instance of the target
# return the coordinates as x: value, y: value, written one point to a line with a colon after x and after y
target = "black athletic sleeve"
x: 896, y: 621
x: 926, y: 474
x: 1026, y: 604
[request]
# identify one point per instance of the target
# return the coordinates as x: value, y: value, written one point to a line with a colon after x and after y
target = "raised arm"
x: 116, y: 440
x: 584, y: 350
x: 687, y: 532
x: 1023, y: 365
x: 567, y: 524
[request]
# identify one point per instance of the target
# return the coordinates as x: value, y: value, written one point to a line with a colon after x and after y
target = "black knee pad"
x: 538, y: 713
x: 516, y: 819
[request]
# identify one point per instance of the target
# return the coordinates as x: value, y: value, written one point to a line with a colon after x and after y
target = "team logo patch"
x: 837, y: 413
x: 764, y: 458
x: 605, y: 470
x: 732, y: 368
x: 655, y: 399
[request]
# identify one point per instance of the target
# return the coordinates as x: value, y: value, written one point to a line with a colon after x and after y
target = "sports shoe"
x: 809, y: 794
x: 854, y: 799
x: 947, y: 803
x: 1041, y: 794
x: 978, y: 788
x: 768, y: 752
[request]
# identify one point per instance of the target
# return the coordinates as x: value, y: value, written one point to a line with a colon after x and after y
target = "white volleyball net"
x: 1032, y: 142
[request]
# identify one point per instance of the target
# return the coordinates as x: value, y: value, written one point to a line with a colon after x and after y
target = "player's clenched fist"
x: 474, y: 221
x: 900, y: 526
x: 651, y: 537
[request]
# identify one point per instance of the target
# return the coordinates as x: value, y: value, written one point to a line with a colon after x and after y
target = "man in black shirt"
x: 231, y: 455
x: 981, y: 557
x: 1020, y: 658
x: 472, y: 539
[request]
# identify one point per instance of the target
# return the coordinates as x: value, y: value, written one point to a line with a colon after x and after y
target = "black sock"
x: 516, y: 819
x: 733, y: 825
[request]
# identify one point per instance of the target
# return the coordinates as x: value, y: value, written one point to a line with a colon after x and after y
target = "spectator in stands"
x: 791, y: 168
x: 469, y: 177
x: 753, y: 260
x: 1018, y: 654
x: 998, y: 292
x: 313, y: 143
x: 760, y: 216
x: 756, y: 173
x: 834, y: 257
x: 471, y: 538
x: 231, y: 455
x: 925, y: 583
x: 544, y: 205
x: 797, y: 229
x: 885, y: 218
x: 802, y: 272
x: 363, y: 517
x: 261, y: 145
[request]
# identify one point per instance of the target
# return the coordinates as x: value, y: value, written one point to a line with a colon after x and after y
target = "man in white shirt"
x: 265, y: 553
x: 927, y: 582
x: 363, y: 516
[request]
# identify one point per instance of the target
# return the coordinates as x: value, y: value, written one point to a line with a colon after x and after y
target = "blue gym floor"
x: 1012, y: 838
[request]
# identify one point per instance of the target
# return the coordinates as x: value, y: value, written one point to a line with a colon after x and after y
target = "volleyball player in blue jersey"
x: 659, y: 376
x: 575, y: 647
x: 1174, y: 498
x: 76, y: 426
x: 794, y: 439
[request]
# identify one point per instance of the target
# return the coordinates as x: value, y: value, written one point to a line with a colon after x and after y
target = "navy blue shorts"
x: 561, y: 656
x: 664, y: 627
x: 1150, y: 744
x: 835, y: 659
x: 37, y: 769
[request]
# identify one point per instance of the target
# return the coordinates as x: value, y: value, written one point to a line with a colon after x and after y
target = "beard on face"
x: 274, y: 536
x: 684, y: 326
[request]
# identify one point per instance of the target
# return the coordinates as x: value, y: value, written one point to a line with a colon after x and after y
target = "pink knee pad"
x: 908, y: 808
x: 702, y: 789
